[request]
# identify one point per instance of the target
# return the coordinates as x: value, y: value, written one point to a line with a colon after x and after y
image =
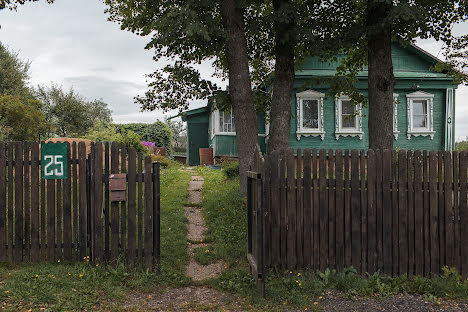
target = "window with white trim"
x: 348, y: 118
x: 226, y: 122
x: 310, y: 114
x: 395, y: 116
x: 420, y: 114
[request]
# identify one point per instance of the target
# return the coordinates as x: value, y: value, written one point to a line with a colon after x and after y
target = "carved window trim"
x: 339, y: 131
x: 420, y: 95
x: 395, y: 116
x: 306, y: 132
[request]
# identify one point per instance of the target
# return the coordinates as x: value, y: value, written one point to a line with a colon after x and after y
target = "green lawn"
x: 75, y: 287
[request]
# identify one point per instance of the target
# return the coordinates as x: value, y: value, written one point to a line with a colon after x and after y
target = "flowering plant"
x: 150, y: 145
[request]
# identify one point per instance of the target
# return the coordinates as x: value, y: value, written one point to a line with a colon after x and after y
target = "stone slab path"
x: 196, y: 229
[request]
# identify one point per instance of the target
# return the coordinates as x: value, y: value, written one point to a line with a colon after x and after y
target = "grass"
x: 225, y: 214
x: 80, y: 286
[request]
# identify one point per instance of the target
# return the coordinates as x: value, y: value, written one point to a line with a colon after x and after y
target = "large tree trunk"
x: 381, y: 79
x: 280, y: 118
x: 240, y: 90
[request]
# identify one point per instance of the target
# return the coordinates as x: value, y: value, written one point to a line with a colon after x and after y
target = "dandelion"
x: 315, y: 302
x: 300, y: 284
x: 69, y: 274
x: 320, y: 297
x: 80, y: 276
x: 207, y: 250
x: 297, y: 281
x: 58, y: 260
x: 298, y: 274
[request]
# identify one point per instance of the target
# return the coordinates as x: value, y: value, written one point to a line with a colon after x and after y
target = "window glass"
x: 226, y: 122
x: 310, y: 114
x: 420, y: 113
x: 348, y: 117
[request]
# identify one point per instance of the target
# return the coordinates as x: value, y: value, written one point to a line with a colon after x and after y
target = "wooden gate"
x: 255, y: 216
x: 74, y: 219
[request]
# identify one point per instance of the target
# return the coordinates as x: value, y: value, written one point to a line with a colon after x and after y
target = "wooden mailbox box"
x: 118, y: 187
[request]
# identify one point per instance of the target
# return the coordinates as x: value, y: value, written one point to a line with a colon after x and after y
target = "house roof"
x: 195, y: 111
x: 364, y: 74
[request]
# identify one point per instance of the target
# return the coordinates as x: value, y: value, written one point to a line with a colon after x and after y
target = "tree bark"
x: 240, y: 90
x: 381, y: 80
x: 280, y: 116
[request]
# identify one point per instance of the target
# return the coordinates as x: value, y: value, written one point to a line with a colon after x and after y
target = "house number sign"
x: 54, y: 161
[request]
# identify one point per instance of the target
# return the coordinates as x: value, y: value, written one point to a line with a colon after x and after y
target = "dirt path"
x: 196, y: 229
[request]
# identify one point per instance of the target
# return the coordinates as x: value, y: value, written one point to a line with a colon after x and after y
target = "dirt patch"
x: 183, y: 299
x: 195, y: 185
x: 194, y: 216
x: 198, y: 272
x: 195, y: 197
x: 195, y: 232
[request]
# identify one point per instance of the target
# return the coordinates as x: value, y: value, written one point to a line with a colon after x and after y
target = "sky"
x: 71, y: 43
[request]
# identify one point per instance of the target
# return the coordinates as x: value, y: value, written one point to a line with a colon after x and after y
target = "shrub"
x: 164, y: 162
x: 231, y: 169
x: 157, y: 132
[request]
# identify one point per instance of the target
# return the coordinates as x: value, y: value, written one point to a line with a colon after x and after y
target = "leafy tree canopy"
x: 69, y: 113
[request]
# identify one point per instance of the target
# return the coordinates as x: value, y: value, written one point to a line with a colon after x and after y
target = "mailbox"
x: 118, y: 187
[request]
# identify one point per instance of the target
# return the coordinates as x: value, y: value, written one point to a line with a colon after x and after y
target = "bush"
x: 231, y: 169
x: 164, y: 162
x: 157, y: 132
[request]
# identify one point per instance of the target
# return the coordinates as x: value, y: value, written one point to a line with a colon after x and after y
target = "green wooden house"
x: 423, y: 113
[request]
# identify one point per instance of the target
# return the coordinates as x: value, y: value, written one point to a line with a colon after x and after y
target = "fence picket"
x: 411, y: 250
x: 347, y: 210
x: 299, y: 210
x: 283, y: 211
x: 307, y: 195
x: 433, y: 212
x: 76, y: 231
x: 26, y: 203
x: 442, y: 229
x: 291, y: 210
x: 67, y: 213
x: 98, y: 255
x: 107, y: 225
x: 426, y: 213
x: 355, y: 212
x: 371, y: 213
x: 114, y: 207
x: 464, y: 213
x: 456, y: 211
x: 131, y: 206
x: 403, y: 212
x: 268, y: 213
x: 339, y: 210
x: 148, y: 215
x: 140, y: 208
x: 418, y: 215
x: 331, y: 209
x: 379, y: 208
x: 394, y: 221
x: 364, y: 211
x: 19, y: 231
x: 83, y: 209
x: 3, y: 197
x: 449, y: 237
x: 34, y: 202
x: 58, y: 219
x: 315, y: 211
x: 387, y: 212
x: 323, y: 210
x: 123, y: 204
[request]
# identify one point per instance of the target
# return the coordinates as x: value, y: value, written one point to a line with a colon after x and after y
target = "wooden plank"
x: 43, y: 234
x: 379, y: 207
x: 3, y: 202
x: 27, y: 203
x: 148, y: 215
x: 449, y: 230
x: 411, y: 251
x: 440, y: 174
x: 157, y: 213
x: 98, y: 202
x: 267, y: 211
x: 123, y: 205
x: 371, y: 213
x: 91, y: 208
x: 131, y: 207
x: 315, y: 211
x: 83, y: 211
x: 339, y: 210
x: 106, y: 203
x: 58, y: 220
x: 275, y: 210
x: 456, y: 211
x: 355, y: 212
x: 403, y: 212
x: 323, y: 210
x: 140, y: 208
x: 19, y: 217
x: 114, y: 207
x: 394, y: 214
x: 10, y: 203
x: 67, y: 213
x: 364, y: 212
x: 283, y: 213
x: 426, y: 212
x: 291, y: 211
x: 347, y: 210
x: 433, y: 213
x: 464, y: 213
x: 387, y: 212
x: 331, y: 210
x: 299, y: 212
x: 307, y: 195
x: 51, y: 220
x: 76, y: 231
x: 418, y: 215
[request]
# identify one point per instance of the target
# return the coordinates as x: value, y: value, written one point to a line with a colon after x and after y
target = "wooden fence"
x: 73, y: 219
x: 398, y: 212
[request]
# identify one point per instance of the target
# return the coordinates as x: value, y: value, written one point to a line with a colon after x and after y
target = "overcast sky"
x: 71, y: 43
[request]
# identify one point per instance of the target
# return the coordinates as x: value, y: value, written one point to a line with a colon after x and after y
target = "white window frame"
x: 300, y: 130
x: 395, y: 116
x: 216, y: 126
x: 344, y: 132
x: 429, y: 130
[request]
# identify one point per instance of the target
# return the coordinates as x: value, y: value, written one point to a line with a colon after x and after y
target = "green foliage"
x: 165, y: 162
x: 20, y: 121
x: 13, y: 4
x: 231, y: 169
x: 179, y: 134
x: 157, y: 132
x: 462, y: 145
x: 102, y: 132
x: 69, y: 113
x: 14, y: 73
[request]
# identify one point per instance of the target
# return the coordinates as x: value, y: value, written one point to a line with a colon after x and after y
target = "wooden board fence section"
x: 397, y: 212
x: 68, y: 219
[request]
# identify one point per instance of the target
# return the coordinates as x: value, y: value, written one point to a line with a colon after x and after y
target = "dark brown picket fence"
x: 399, y: 212
x: 74, y: 219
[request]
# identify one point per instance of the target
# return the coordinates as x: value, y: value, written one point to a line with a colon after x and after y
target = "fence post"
x: 156, y: 217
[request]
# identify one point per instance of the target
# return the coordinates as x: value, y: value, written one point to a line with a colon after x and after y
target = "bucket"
x: 206, y: 156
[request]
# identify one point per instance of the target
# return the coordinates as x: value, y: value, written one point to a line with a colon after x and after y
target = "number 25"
x: 53, y: 160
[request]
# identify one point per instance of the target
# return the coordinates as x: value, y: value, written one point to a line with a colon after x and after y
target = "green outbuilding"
x: 423, y: 112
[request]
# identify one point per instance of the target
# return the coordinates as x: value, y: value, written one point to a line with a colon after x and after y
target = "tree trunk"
x: 280, y: 116
x: 381, y: 80
x: 240, y: 90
